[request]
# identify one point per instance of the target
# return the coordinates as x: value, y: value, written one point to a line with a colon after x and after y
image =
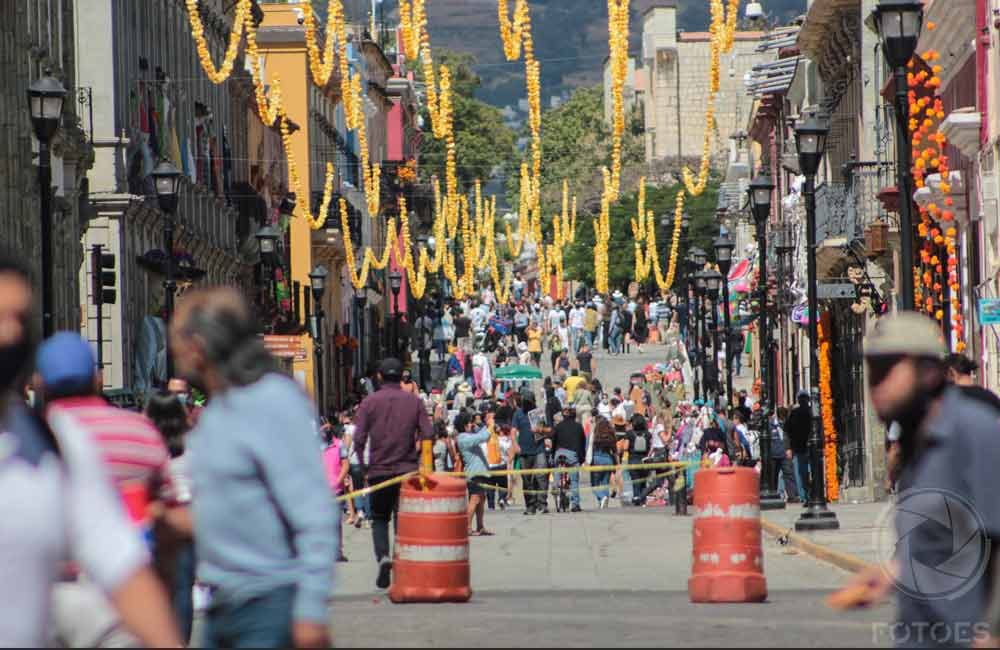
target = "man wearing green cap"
x: 949, y: 458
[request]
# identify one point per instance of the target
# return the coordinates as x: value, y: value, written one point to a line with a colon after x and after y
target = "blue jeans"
x: 615, y: 342
x: 600, y: 480
x: 575, y: 337
x: 263, y: 622
x: 802, y: 474
x: 574, y: 477
x: 362, y: 503
x: 184, y: 572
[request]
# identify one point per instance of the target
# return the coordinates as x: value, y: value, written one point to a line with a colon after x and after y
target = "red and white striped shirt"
x: 130, y: 446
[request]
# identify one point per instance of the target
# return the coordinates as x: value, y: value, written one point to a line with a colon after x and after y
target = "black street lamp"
x: 760, y: 192
x: 395, y: 284
x: 713, y: 283
x: 899, y: 23
x: 810, y: 141
x: 691, y: 326
x: 45, y: 103
x: 423, y: 333
x: 724, y: 246
x: 167, y: 182
x: 360, y: 301
x: 267, y: 244
x: 700, y: 289
x: 317, y: 282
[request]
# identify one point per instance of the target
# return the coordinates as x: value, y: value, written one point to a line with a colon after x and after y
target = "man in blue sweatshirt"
x: 266, y: 531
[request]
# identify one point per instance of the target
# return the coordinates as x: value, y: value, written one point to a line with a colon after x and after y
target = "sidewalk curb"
x: 845, y: 561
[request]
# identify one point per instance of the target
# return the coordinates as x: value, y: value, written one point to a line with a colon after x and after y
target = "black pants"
x: 535, y: 482
x: 640, y: 479
x: 492, y: 482
x: 786, y: 468
x: 384, y: 504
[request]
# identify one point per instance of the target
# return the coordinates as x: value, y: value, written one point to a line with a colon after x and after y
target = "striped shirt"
x: 132, y: 449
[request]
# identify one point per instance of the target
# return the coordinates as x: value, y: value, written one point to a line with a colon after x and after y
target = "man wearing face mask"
x: 59, y: 502
x: 949, y: 455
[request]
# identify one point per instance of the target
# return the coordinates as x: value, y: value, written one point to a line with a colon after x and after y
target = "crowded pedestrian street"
x: 499, y: 323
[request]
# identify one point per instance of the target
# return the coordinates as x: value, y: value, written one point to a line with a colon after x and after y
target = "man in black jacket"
x: 570, y: 444
x: 798, y: 427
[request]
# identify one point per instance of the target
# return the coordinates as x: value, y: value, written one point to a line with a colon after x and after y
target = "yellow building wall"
x: 288, y: 63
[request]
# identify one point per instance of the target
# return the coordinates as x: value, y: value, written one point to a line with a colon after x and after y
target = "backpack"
x: 640, y: 444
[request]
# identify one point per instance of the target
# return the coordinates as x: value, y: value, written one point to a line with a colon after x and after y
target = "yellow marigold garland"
x: 232, y: 49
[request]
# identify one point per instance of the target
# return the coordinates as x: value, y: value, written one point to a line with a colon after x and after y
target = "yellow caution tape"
x: 584, y: 488
x: 676, y: 466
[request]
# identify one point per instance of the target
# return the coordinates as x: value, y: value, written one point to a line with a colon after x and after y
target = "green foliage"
x: 483, y: 142
x: 579, y: 258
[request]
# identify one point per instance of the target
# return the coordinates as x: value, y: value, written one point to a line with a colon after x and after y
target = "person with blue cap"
x: 131, y: 448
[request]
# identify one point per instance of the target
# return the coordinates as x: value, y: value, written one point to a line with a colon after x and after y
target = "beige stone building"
x: 672, y: 84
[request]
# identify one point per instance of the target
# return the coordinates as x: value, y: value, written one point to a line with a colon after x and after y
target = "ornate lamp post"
x: 395, y: 283
x: 691, y: 324
x: 713, y: 283
x: 267, y: 242
x: 424, y: 338
x: 45, y: 103
x: 724, y: 246
x: 700, y: 289
x: 360, y: 300
x: 317, y: 282
x: 810, y: 142
x: 760, y: 191
x: 167, y: 181
x: 899, y: 23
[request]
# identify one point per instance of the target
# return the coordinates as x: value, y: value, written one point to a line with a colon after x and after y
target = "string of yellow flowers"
x: 826, y: 405
x: 359, y: 277
x: 722, y: 35
x: 618, y: 26
x: 416, y: 45
x: 515, y: 35
x: 233, y: 47
x: 270, y: 110
x: 321, y: 67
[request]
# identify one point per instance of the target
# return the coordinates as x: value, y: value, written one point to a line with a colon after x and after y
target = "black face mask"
x: 13, y: 363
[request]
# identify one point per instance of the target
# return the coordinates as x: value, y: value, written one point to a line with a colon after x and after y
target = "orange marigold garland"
x: 826, y: 408
x: 939, y: 251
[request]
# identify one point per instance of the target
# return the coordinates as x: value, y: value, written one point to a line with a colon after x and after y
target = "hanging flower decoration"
x: 826, y: 408
x: 219, y: 75
x: 936, y: 227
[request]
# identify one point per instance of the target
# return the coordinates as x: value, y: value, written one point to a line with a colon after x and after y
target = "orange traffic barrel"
x: 431, y: 558
x: 727, y: 559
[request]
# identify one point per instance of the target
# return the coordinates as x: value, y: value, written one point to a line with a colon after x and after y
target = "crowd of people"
x: 120, y: 514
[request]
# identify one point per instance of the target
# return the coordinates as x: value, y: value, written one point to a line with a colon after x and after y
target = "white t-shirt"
x: 55, y: 510
x: 576, y: 316
x: 563, y: 332
x: 556, y: 317
x: 657, y: 430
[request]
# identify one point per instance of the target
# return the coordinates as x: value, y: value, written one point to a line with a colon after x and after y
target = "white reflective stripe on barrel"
x: 415, y: 553
x: 433, y: 506
x: 735, y: 511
